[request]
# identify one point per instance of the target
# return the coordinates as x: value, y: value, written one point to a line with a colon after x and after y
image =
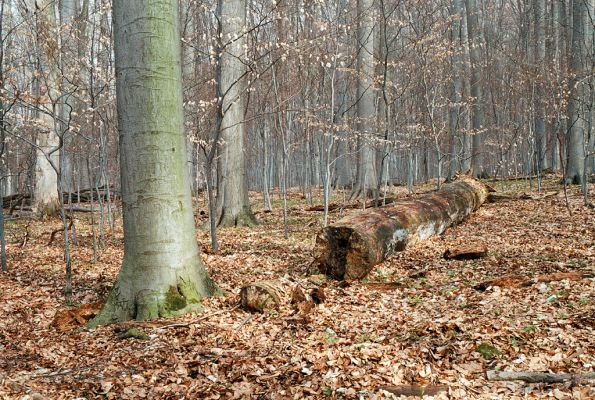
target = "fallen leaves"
x: 73, y: 318
x: 335, y: 340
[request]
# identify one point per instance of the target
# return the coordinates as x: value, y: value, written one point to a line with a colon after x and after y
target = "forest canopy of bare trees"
x: 358, y: 94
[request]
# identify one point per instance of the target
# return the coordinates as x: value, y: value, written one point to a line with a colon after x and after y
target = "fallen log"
x: 351, y: 247
x: 369, y: 204
x: 415, y: 390
x: 519, y: 281
x: 536, y: 377
x: 467, y: 252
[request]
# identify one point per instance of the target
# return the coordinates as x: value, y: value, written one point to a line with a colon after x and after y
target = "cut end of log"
x: 345, y: 256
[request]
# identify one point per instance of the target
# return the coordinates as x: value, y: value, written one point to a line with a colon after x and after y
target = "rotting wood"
x: 270, y: 295
x: 518, y: 281
x: 466, y: 252
x: 536, y: 377
x: 369, y: 204
x: 351, y: 247
x: 415, y: 390
x: 261, y: 296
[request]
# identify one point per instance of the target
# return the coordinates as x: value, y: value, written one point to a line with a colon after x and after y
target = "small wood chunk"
x: 317, y: 295
x: 261, y: 296
x: 466, y: 252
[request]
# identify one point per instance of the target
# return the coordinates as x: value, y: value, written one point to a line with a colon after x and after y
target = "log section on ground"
x: 351, y: 247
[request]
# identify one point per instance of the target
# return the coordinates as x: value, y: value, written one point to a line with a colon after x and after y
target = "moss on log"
x: 351, y: 247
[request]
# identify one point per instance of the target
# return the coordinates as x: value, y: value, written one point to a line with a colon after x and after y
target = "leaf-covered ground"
x: 430, y: 330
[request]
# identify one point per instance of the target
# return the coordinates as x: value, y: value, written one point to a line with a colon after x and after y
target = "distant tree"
x: 575, y: 141
x: 161, y: 274
x: 46, y: 84
x: 474, y: 33
x: 232, y: 194
x: 366, y: 181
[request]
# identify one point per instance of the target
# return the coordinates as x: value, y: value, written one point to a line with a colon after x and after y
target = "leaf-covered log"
x: 351, y: 247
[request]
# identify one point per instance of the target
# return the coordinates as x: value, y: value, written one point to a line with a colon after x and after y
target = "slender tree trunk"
x: 366, y: 180
x: 576, y: 103
x: 539, y: 99
x: 473, y: 31
x: 457, y: 150
x: 161, y: 274
x: 233, y: 201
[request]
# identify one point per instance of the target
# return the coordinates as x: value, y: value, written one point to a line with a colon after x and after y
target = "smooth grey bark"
x: 3, y: 260
x: 474, y: 34
x: 232, y: 194
x: 366, y: 182
x: 575, y: 139
x: 455, y: 118
x: 46, y: 180
x: 559, y: 49
x: 539, y: 99
x: 161, y: 274
x: 68, y: 10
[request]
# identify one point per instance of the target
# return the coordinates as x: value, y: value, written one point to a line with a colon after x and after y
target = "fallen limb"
x: 351, y: 247
x: 56, y: 231
x: 415, y: 390
x: 518, y: 281
x: 466, y: 252
x: 536, y: 377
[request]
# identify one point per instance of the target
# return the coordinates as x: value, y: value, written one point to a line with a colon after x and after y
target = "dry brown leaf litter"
x: 432, y: 330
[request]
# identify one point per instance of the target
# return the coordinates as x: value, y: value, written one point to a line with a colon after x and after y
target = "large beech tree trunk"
x: 351, y: 247
x: 162, y: 274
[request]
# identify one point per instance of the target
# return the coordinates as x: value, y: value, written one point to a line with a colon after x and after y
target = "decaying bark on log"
x: 536, y: 377
x: 518, y: 281
x: 369, y: 204
x: 262, y: 296
x: 269, y: 295
x: 351, y: 247
x: 415, y: 390
x: 468, y: 252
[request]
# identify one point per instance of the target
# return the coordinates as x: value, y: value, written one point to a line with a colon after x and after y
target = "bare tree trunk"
x: 161, y: 273
x: 576, y: 103
x: 366, y: 180
x: 46, y: 179
x: 455, y: 119
x: 232, y: 193
x: 539, y: 101
x: 473, y: 30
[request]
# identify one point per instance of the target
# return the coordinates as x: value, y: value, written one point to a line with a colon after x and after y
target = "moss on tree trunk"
x: 162, y: 274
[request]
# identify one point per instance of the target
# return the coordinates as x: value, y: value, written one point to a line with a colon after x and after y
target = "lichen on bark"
x: 162, y: 274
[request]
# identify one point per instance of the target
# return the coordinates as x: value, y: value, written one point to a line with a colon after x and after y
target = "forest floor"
x: 393, y: 328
